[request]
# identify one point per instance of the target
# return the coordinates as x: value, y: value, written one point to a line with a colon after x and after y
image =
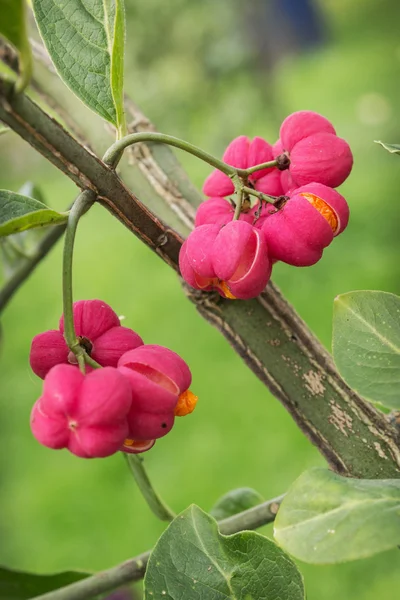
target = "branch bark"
x: 87, y: 171
x: 266, y: 332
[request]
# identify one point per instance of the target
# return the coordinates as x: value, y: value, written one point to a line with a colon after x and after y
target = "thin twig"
x: 135, y: 568
x: 41, y: 250
x: 261, y: 196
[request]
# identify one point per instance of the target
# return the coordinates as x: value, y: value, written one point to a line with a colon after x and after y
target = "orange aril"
x: 324, y: 209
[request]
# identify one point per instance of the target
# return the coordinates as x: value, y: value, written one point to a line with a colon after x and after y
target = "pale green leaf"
x: 3, y: 129
x: 19, y: 213
x: 85, y: 39
x: 193, y: 560
x: 18, y: 585
x: 326, y: 518
x: 32, y: 190
x: 392, y: 148
x: 366, y: 344
x: 13, y: 29
x: 13, y: 253
x: 235, y: 502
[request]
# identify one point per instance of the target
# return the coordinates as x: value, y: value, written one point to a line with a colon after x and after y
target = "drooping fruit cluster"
x: 235, y: 257
x: 126, y: 405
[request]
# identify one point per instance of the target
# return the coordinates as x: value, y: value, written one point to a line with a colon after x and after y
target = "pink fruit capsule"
x: 198, y: 249
x: 240, y: 259
x: 158, y: 377
x: 241, y: 153
x: 271, y: 183
x: 233, y: 260
x: 300, y: 125
x: 323, y: 158
x: 316, y: 153
x: 218, y: 211
x: 100, y: 333
x: 298, y: 233
x: 87, y: 414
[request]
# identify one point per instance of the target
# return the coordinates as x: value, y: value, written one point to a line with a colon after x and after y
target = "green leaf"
x: 17, y: 248
x: 235, y: 502
x: 326, y: 518
x: 193, y: 560
x: 3, y: 129
x: 392, y: 148
x: 85, y: 39
x: 366, y: 344
x: 13, y: 29
x: 18, y: 213
x: 17, y: 585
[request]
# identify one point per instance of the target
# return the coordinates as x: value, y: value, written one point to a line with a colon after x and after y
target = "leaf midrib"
x: 226, y: 576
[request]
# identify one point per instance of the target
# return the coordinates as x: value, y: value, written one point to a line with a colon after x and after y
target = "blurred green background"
x: 201, y: 70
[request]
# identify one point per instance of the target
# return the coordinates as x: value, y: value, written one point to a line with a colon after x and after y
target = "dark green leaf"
x: 392, y: 148
x: 366, y: 344
x: 235, y: 502
x: 86, y: 43
x: 325, y: 518
x: 17, y: 585
x: 13, y: 29
x: 193, y: 560
x: 18, y: 213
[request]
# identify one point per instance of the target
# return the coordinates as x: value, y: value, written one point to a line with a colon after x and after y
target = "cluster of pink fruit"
x: 235, y: 257
x: 126, y: 405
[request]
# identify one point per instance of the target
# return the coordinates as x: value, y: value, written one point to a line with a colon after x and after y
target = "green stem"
x: 266, y: 165
x: 83, y: 202
x: 261, y: 196
x: 81, y: 363
x: 153, y: 500
x: 90, y: 361
x: 114, y: 153
x: 238, y: 207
